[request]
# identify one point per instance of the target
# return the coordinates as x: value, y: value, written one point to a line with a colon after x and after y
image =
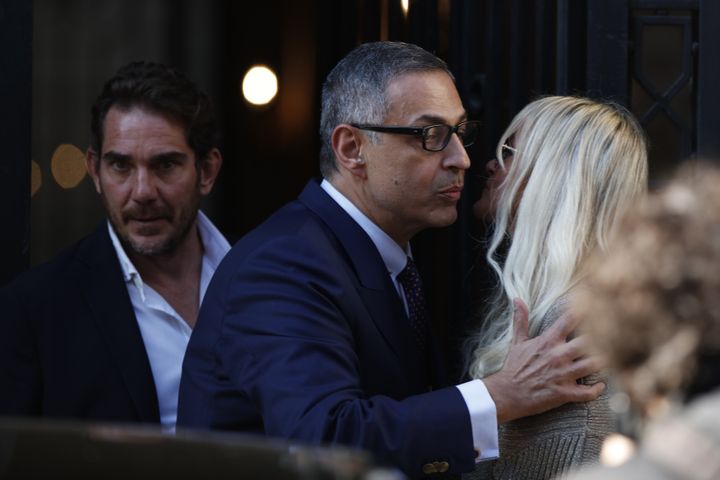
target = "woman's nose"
x: 492, y: 166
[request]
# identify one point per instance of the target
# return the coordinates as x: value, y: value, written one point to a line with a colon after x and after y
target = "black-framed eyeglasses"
x: 434, y: 137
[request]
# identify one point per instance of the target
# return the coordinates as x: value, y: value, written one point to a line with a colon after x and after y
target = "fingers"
x: 520, y: 321
x: 563, y: 327
x: 584, y: 367
x: 585, y: 393
x: 577, y: 357
x: 576, y: 348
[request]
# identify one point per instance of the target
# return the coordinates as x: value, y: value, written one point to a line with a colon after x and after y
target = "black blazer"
x: 70, y: 346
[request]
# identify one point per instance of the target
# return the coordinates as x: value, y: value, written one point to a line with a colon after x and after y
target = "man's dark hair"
x: 163, y: 90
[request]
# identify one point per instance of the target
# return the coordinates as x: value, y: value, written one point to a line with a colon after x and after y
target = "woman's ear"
x: 347, y: 143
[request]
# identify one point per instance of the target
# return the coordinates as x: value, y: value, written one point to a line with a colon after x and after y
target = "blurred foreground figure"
x: 653, y: 308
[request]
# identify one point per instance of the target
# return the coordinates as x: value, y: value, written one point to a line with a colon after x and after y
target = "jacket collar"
x: 107, y: 296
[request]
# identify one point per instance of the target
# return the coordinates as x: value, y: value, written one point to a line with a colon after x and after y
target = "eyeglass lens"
x: 438, y: 136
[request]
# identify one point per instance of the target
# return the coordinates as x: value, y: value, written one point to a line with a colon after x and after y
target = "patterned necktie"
x: 410, y: 280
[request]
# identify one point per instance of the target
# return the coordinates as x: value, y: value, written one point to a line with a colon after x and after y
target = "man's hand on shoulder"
x: 541, y: 373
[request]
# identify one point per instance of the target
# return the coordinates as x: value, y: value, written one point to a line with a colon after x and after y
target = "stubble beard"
x: 179, y: 230
x: 166, y: 247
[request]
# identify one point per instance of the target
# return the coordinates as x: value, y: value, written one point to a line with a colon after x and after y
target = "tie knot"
x: 409, y: 276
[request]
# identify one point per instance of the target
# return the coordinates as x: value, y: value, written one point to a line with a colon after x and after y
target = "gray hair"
x: 354, y: 91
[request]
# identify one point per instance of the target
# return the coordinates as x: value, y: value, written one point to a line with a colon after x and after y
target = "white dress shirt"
x: 483, y: 415
x: 164, y: 332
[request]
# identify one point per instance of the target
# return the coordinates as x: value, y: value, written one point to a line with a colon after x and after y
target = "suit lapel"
x: 376, y: 287
x: 107, y: 296
x: 390, y: 319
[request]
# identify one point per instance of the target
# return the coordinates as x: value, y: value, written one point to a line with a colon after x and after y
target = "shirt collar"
x: 392, y: 254
x: 128, y: 269
x: 214, y: 243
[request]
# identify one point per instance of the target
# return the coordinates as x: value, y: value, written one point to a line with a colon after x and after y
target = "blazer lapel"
x: 107, y: 296
x: 376, y: 288
x: 390, y: 319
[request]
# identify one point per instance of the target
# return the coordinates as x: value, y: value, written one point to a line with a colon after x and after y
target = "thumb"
x: 520, y: 321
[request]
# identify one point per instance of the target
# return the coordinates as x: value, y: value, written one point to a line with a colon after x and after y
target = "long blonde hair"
x: 579, y: 165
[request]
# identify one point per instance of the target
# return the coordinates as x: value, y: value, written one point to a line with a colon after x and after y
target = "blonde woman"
x: 567, y: 168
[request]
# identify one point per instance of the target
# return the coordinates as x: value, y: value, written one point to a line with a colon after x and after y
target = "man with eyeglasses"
x: 314, y: 327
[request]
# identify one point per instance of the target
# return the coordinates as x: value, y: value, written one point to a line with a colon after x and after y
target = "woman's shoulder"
x: 556, y: 310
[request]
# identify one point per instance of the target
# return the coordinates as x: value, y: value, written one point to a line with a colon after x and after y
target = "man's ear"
x: 208, y: 169
x: 92, y: 163
x: 347, y: 144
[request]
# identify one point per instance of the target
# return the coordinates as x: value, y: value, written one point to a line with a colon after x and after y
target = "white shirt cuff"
x: 483, y: 419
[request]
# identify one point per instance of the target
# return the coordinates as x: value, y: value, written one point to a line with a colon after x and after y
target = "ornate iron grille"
x: 662, y: 94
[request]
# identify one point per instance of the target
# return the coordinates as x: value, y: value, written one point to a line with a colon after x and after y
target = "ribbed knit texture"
x: 551, y: 444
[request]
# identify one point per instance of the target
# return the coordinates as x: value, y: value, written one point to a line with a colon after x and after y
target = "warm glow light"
x: 616, y: 450
x: 260, y: 85
x: 405, y: 5
x: 68, y: 165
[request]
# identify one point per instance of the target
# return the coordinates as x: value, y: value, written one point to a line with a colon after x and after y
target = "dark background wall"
x: 15, y: 98
x: 659, y: 57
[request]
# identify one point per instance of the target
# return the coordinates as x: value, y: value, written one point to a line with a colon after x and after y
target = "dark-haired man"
x: 99, y: 332
x: 314, y: 328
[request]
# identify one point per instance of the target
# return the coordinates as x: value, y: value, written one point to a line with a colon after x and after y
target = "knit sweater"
x: 551, y: 444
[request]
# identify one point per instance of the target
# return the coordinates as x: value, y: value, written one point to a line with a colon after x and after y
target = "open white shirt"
x: 164, y: 332
x: 483, y: 415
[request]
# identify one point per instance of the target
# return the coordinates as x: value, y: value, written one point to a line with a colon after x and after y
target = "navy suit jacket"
x: 303, y: 336
x: 70, y: 346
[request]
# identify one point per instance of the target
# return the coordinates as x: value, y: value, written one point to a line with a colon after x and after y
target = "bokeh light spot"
x: 616, y: 450
x: 68, y: 165
x: 259, y: 86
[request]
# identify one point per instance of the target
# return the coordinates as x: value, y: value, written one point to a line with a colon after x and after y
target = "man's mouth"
x: 452, y: 193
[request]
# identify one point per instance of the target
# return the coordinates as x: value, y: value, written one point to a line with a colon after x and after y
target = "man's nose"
x: 456, y: 154
x: 145, y: 188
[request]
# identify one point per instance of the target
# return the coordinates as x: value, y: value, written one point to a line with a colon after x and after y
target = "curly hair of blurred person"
x: 652, y: 309
x: 652, y: 306
x: 578, y: 165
